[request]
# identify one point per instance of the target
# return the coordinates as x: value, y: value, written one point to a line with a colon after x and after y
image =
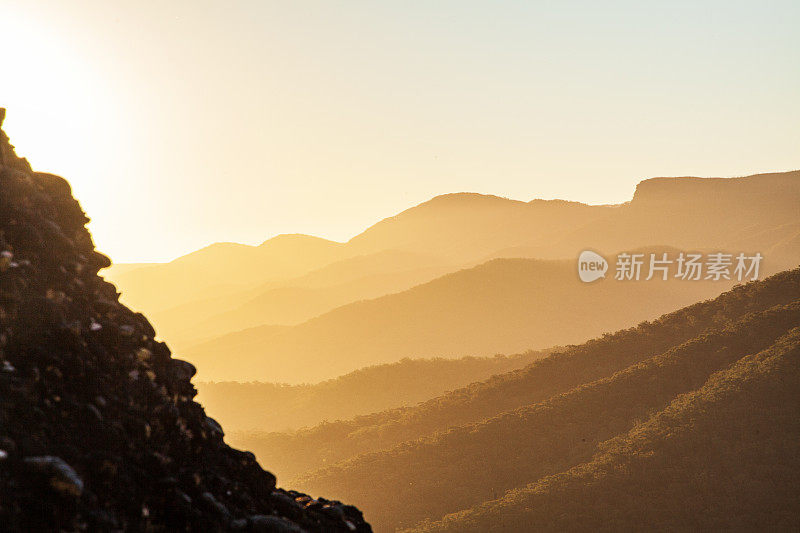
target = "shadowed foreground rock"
x: 98, y: 429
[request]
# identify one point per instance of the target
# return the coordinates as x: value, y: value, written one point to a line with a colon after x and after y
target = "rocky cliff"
x: 98, y: 427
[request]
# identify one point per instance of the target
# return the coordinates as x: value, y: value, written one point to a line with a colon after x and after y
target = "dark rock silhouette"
x: 98, y: 429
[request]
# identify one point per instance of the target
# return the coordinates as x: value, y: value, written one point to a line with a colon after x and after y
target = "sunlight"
x: 439, y: 267
x: 42, y: 121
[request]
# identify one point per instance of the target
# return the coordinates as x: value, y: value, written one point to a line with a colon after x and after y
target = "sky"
x: 182, y: 123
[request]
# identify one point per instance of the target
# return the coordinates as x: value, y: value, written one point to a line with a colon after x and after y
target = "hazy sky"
x: 184, y: 123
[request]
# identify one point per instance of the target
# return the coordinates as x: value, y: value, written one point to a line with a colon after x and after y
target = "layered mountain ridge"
x: 432, y: 263
x: 446, y: 463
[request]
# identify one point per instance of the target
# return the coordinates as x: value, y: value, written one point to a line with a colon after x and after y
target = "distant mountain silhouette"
x: 226, y: 288
x: 299, y: 299
x: 277, y: 407
x: 503, y: 306
x: 465, y: 227
x: 690, y: 213
x: 222, y: 268
x: 685, y: 213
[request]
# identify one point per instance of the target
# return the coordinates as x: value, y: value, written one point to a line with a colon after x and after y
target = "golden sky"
x: 183, y: 123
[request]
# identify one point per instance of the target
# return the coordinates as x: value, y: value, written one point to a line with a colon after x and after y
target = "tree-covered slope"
x: 295, y: 453
x: 474, y: 463
x: 725, y: 457
x: 281, y: 407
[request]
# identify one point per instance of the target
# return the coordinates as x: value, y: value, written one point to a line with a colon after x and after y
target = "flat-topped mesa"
x: 688, y: 192
x: 98, y: 427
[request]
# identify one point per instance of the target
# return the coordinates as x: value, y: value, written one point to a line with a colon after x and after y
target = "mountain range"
x: 502, y: 306
x: 446, y: 278
x: 372, y: 370
x: 469, y: 458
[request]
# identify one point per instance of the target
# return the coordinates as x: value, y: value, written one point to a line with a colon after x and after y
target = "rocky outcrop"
x: 98, y: 427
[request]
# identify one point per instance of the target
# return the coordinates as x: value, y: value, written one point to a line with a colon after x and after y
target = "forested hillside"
x: 295, y: 453
x: 279, y: 407
x: 725, y: 457
x: 474, y: 463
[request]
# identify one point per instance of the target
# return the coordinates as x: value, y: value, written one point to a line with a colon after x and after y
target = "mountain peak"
x: 467, y: 198
x: 296, y: 238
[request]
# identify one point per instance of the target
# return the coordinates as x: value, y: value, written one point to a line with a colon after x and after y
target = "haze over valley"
x: 399, y: 267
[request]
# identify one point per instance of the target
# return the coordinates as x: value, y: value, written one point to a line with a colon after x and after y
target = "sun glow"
x: 59, y: 106
x: 179, y: 125
x: 39, y: 119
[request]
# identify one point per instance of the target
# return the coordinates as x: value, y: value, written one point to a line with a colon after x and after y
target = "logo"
x: 685, y: 266
x: 591, y: 266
